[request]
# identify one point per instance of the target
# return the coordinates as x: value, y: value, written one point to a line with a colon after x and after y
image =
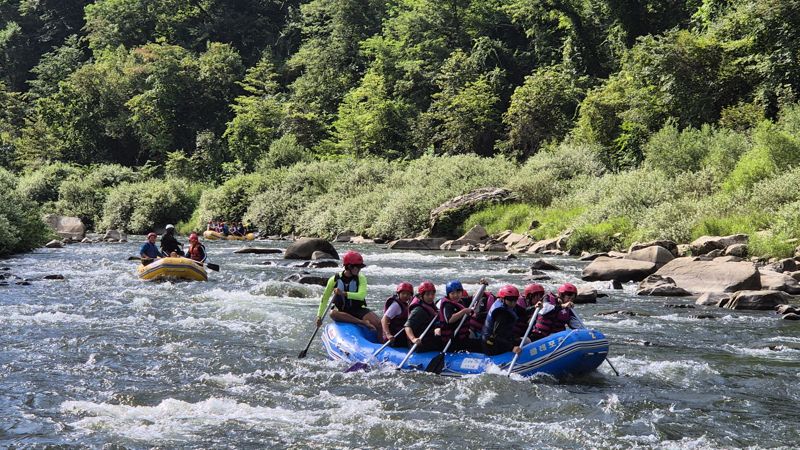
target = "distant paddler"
x: 148, y: 250
x: 196, y: 250
x: 169, y: 245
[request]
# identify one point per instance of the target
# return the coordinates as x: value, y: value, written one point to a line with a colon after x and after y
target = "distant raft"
x: 570, y: 352
x: 173, y: 269
x: 213, y: 236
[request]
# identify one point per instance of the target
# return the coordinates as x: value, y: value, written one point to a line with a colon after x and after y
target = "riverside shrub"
x: 141, y: 207
x: 21, y: 225
x: 83, y: 194
x: 42, y: 184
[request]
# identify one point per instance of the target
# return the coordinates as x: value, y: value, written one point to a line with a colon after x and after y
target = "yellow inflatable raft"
x: 213, y: 236
x: 173, y: 269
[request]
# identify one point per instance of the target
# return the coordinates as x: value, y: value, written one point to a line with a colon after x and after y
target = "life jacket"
x: 429, y: 308
x: 449, y: 328
x: 554, y: 321
x: 197, y: 252
x: 396, y: 323
x: 341, y: 302
x: 490, y: 318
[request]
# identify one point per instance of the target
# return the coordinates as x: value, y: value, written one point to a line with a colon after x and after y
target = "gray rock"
x: 54, y: 244
x: 791, y: 316
x: 756, y: 300
x: 327, y: 263
x: 654, y: 254
x: 114, y: 235
x: 591, y: 256
x: 258, y: 250
x: 363, y: 240
x: 317, y: 255
x: 304, y: 278
x: 477, y: 234
x: 417, y: 244
x: 703, y: 316
x: 729, y: 258
x: 66, y: 227
x: 784, y: 265
x: 53, y: 277
x: 712, y: 298
x: 739, y: 250
x: 671, y: 246
x: 305, y: 247
x: 661, y: 286
x: 494, y: 247
x: 787, y: 309
x: 536, y: 277
x: 706, y: 244
x: 455, y: 244
x: 779, y: 282
x: 507, y: 257
x: 517, y: 270
x: 541, y: 264
x: 86, y: 241
x: 698, y: 277
x: 344, y: 236
x: 607, y: 269
x: 586, y: 296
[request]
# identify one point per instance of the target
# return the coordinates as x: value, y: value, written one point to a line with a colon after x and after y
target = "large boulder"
x: 66, y: 227
x: 303, y: 248
x: 756, y: 300
x: 776, y: 281
x: 706, y: 244
x: 115, y: 236
x: 476, y: 233
x: 698, y: 277
x: 661, y: 286
x: 671, y: 246
x: 417, y: 244
x: 446, y: 219
x: 713, y: 298
x: 607, y: 269
x: 654, y: 254
x: 54, y: 244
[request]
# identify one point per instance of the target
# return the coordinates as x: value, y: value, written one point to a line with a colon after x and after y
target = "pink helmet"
x: 425, y: 286
x: 533, y: 289
x: 568, y: 288
x: 352, y: 258
x: 508, y: 291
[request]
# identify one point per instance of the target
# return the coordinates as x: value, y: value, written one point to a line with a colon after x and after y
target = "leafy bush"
x: 612, y: 234
x: 229, y: 202
x: 21, y: 226
x: 774, y: 149
x: 516, y: 217
x: 83, y: 195
x: 140, y: 207
x: 42, y: 184
x: 283, y: 152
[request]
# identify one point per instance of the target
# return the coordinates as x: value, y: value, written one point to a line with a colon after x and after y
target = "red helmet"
x: 151, y: 234
x: 568, y: 288
x: 533, y: 289
x: 426, y: 286
x: 352, y: 258
x: 508, y: 291
x: 193, y: 237
x: 407, y: 287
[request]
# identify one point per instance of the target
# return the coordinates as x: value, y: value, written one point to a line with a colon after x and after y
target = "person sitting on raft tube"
x: 349, y: 290
x: 450, y: 313
x: 148, y: 250
x: 421, y: 312
x: 395, y: 315
x: 196, y: 250
x: 169, y: 245
x: 498, y: 332
x: 236, y: 229
x: 556, y: 313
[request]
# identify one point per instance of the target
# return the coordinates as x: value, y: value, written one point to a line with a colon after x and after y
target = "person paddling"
x: 498, y: 331
x: 556, y: 313
x: 525, y: 307
x: 450, y: 313
x: 196, y: 250
x: 148, y: 250
x: 349, y: 290
x: 169, y: 244
x: 395, y: 314
x: 422, y: 311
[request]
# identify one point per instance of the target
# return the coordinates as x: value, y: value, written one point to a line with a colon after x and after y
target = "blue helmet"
x: 454, y: 285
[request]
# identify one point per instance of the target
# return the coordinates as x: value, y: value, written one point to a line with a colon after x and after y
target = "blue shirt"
x: 149, y: 250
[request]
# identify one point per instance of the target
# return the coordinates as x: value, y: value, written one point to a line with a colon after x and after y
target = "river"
x: 102, y: 358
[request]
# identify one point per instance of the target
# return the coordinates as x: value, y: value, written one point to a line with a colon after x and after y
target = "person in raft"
x: 556, y: 313
x: 499, y: 329
x: 395, y: 315
x: 450, y: 313
x: 349, y: 289
x: 421, y: 312
x: 169, y: 245
x: 148, y: 250
x: 196, y: 250
x: 526, y: 306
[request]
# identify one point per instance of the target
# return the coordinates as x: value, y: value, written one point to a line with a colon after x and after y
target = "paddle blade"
x: 134, y: 258
x: 436, y: 365
x: 213, y: 267
x: 302, y: 354
x: 356, y: 367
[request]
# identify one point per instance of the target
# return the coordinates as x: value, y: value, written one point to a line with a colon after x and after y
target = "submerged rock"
x: 304, y: 278
x: 541, y: 264
x: 305, y: 247
x: 258, y: 251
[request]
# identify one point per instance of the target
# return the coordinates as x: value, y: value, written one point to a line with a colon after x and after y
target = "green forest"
x: 621, y: 120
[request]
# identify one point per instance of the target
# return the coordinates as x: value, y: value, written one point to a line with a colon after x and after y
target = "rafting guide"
x: 349, y: 290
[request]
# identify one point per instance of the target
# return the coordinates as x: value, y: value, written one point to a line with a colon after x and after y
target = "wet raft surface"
x: 103, y: 357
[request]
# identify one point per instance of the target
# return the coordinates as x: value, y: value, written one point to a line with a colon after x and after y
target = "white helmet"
x: 170, y: 226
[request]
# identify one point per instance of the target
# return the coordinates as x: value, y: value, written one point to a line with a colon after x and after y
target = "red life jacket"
x: 197, y: 252
x: 418, y: 302
x: 554, y: 321
x: 396, y: 323
x: 449, y: 328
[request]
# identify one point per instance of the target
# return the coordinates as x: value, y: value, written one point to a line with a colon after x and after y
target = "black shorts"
x: 358, y: 312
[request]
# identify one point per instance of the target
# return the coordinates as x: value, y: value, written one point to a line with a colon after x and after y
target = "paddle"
x: 305, y: 350
x: 414, y: 347
x: 606, y: 360
x: 437, y: 363
x: 524, y: 336
x: 145, y: 262
x: 363, y: 365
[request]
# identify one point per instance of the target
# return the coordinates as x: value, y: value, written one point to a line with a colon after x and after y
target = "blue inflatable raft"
x: 570, y: 352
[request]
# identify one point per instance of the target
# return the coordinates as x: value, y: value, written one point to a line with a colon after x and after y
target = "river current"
x: 102, y: 359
